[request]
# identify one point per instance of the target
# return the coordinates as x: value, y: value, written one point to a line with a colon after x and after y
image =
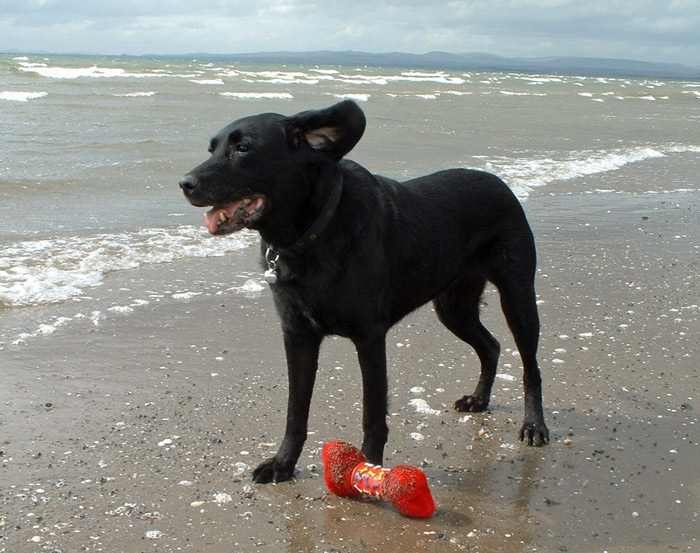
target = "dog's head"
x: 263, y: 162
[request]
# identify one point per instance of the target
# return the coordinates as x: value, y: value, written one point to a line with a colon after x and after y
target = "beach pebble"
x: 505, y: 376
x: 222, y: 497
x: 240, y: 468
x: 154, y: 534
x: 417, y: 436
x: 251, y: 286
x: 422, y: 406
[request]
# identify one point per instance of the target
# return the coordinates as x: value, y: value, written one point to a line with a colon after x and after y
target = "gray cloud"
x: 640, y: 29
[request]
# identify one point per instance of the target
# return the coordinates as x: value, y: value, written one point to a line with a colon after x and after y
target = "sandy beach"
x: 140, y: 433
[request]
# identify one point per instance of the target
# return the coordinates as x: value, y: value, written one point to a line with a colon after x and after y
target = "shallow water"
x: 93, y: 148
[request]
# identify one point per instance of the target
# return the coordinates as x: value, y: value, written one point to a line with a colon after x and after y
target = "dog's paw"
x: 534, y: 434
x: 471, y: 404
x: 272, y: 471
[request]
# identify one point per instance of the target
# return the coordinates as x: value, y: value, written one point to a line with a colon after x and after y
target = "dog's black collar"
x: 318, y: 226
x: 273, y: 254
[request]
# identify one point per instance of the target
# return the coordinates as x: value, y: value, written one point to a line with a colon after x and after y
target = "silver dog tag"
x: 270, y: 276
x: 271, y: 257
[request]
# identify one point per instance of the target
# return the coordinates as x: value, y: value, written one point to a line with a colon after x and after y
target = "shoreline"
x: 141, y: 432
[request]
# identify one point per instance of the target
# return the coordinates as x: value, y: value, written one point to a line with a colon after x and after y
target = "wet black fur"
x: 390, y: 248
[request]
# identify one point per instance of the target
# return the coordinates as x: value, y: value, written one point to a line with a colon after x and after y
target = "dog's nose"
x: 188, y: 183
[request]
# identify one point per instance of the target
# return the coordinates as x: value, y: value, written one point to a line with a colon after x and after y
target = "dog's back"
x: 432, y: 231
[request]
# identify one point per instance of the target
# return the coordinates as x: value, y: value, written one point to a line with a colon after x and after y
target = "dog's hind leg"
x: 518, y: 300
x: 458, y: 310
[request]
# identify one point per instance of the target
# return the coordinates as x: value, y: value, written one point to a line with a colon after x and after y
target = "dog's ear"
x: 333, y: 131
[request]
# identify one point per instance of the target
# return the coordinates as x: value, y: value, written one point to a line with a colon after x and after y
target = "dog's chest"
x: 327, y: 312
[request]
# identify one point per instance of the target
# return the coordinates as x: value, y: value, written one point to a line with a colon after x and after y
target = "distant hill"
x: 472, y: 62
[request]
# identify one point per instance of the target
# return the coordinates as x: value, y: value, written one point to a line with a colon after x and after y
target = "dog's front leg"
x: 302, y: 350
x: 372, y: 356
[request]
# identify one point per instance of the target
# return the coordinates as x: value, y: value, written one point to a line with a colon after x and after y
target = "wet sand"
x: 140, y: 433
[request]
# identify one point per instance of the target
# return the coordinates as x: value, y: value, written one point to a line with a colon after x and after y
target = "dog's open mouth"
x: 230, y: 218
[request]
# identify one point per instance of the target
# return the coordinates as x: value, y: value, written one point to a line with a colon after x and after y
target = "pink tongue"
x: 211, y: 217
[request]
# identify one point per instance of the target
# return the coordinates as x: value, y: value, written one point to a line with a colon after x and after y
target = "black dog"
x: 350, y: 253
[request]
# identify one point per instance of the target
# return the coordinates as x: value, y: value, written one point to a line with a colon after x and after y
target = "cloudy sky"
x: 648, y: 30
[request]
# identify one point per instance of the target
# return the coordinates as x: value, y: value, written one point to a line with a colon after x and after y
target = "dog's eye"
x: 239, y: 148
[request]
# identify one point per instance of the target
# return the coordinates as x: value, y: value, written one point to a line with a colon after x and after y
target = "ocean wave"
x: 439, y: 77
x: 284, y: 77
x: 258, y: 95
x: 57, y: 72
x: 509, y: 93
x: 37, y: 272
x: 326, y: 71
x: 17, y: 96
x: 356, y: 97
x: 135, y: 95
x: 523, y: 175
x: 207, y: 81
x: 363, y: 80
x: 314, y: 76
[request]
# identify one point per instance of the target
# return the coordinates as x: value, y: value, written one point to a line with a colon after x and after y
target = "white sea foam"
x: 53, y: 72
x: 57, y: 72
x: 525, y: 174
x: 421, y: 77
x: 135, y: 95
x: 356, y: 97
x: 17, y: 96
x: 538, y: 80
x: 258, y: 95
x: 185, y: 295
x: 36, y: 272
x: 44, y: 329
x: 510, y: 93
x: 326, y: 71
x: 207, y: 81
x: 284, y: 77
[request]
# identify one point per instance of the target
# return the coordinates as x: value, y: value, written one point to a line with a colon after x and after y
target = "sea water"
x: 92, y: 149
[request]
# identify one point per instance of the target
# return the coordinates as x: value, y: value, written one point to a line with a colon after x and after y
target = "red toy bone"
x: 348, y: 474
